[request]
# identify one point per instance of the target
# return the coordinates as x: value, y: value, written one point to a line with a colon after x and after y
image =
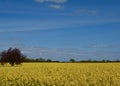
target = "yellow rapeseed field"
x: 61, y: 74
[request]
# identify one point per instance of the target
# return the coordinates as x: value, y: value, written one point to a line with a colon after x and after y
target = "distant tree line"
x: 39, y: 60
x: 14, y: 56
x: 72, y: 60
x: 94, y: 61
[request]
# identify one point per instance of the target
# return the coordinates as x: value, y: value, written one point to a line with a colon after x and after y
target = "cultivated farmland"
x: 61, y: 74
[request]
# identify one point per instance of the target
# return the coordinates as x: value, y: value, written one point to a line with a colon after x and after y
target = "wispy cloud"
x: 10, y: 26
x: 55, y: 6
x: 63, y: 53
x: 86, y: 12
x: 54, y: 1
x: 36, y: 12
x: 102, y: 46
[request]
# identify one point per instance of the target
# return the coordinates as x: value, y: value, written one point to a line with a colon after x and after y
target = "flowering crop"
x: 61, y: 74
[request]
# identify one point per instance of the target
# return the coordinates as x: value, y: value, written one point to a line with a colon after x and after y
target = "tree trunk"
x: 12, y: 64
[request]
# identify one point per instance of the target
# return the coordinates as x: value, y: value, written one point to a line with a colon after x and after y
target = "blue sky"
x: 61, y: 29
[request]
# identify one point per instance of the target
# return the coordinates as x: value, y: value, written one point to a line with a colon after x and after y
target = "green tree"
x: 72, y: 60
x: 49, y: 60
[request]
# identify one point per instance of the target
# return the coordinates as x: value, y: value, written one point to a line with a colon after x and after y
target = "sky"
x: 61, y: 29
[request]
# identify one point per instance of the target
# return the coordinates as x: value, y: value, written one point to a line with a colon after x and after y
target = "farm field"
x: 61, y: 74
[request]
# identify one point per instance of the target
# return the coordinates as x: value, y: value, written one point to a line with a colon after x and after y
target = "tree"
x: 40, y: 60
x: 12, y: 56
x: 3, y: 58
x: 49, y: 60
x: 72, y: 60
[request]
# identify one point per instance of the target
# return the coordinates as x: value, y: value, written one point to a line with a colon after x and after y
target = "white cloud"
x: 54, y: 1
x: 55, y: 6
